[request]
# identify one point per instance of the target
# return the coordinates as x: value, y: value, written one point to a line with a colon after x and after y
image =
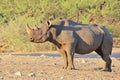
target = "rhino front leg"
x: 64, y: 55
x: 70, y: 55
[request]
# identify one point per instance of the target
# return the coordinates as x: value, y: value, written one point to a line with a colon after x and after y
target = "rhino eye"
x: 31, y: 39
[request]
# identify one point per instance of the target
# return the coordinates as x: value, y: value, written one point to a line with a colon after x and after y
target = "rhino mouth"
x: 35, y: 41
x: 38, y: 41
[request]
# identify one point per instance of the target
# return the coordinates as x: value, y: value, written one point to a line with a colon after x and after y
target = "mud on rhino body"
x: 71, y: 37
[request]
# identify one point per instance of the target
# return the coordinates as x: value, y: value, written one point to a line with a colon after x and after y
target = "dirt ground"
x: 31, y: 67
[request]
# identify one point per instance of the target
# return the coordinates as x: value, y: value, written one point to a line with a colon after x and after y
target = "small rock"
x: 31, y: 74
x: 54, y: 64
x: 0, y: 58
x: 7, y: 72
x: 42, y: 73
x: 18, y: 73
x: 61, y: 77
x: 113, y: 65
x: 42, y: 55
x: 43, y: 79
x: 83, y: 61
x: 1, y: 78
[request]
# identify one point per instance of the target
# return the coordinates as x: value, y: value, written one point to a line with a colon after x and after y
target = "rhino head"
x: 39, y: 35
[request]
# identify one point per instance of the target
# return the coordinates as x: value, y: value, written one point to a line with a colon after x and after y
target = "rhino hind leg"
x: 105, y: 56
x: 108, y: 61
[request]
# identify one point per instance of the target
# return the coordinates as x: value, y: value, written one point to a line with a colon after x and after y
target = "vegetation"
x: 15, y: 14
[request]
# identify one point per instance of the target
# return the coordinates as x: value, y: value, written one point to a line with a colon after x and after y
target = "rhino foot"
x: 109, y: 70
x: 70, y: 68
x: 106, y: 69
x: 64, y: 67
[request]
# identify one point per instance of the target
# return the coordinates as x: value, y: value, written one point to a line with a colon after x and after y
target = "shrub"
x: 15, y: 14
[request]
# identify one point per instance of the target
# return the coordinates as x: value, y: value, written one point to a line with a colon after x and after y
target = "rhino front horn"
x: 28, y: 29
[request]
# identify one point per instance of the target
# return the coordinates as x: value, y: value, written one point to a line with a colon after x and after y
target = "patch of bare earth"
x: 22, y: 67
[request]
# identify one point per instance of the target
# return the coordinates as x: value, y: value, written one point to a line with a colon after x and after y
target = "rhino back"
x: 64, y: 22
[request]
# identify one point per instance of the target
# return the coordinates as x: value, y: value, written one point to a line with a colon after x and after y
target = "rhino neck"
x: 56, y: 43
x: 53, y: 37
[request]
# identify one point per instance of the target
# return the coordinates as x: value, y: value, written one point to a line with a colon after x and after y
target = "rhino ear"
x: 41, y: 21
x: 49, y: 23
x: 28, y: 29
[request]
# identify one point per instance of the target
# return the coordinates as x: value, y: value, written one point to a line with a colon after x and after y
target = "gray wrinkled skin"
x: 71, y: 37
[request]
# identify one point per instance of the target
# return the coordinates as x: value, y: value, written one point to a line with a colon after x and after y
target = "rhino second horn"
x: 36, y: 28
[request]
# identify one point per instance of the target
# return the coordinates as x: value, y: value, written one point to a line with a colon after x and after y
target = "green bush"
x: 15, y: 14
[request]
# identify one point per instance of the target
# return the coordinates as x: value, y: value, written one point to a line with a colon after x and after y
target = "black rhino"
x: 71, y: 37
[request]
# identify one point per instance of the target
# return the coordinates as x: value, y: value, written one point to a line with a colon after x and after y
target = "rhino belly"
x: 85, y: 49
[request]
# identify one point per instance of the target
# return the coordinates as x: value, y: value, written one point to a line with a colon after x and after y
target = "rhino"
x: 71, y: 37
